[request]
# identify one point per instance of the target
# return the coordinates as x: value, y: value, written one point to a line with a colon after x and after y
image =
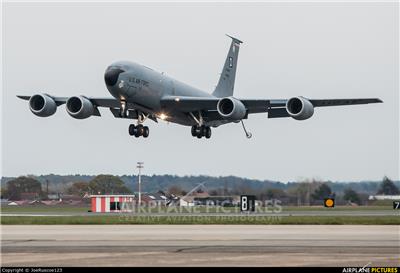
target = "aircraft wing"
x: 274, y: 107
x: 99, y: 102
x: 111, y: 103
x: 280, y: 112
x: 337, y: 102
x: 59, y: 100
x: 192, y: 104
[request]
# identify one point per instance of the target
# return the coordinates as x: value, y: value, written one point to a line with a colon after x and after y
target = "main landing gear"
x: 201, y: 131
x: 138, y: 130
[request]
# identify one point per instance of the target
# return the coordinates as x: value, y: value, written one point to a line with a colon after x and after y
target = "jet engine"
x: 231, y: 108
x: 42, y: 105
x: 79, y: 107
x: 299, y: 108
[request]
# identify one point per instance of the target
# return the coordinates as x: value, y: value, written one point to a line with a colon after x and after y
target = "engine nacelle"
x: 79, y: 107
x: 231, y: 108
x: 299, y: 108
x: 42, y: 105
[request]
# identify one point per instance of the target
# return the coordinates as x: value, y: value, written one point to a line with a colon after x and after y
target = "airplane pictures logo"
x: 370, y: 270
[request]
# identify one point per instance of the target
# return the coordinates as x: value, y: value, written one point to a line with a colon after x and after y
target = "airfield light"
x: 329, y: 202
x: 140, y: 167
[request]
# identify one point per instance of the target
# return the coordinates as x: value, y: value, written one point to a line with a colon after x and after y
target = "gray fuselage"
x: 138, y: 84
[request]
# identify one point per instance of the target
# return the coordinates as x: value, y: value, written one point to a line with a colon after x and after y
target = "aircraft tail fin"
x: 226, y: 81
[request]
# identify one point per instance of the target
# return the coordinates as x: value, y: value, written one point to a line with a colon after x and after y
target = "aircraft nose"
x: 111, y: 76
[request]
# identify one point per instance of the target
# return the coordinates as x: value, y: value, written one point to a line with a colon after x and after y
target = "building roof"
x: 384, y: 197
x: 66, y: 197
x: 157, y: 196
x: 112, y: 195
x: 200, y: 194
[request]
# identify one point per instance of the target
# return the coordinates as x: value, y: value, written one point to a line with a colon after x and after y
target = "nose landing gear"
x: 123, y: 113
x: 201, y: 131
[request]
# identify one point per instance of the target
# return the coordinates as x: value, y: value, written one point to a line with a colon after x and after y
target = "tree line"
x: 301, y: 193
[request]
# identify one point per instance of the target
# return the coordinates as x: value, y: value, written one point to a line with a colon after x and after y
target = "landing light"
x: 163, y: 116
x: 177, y: 99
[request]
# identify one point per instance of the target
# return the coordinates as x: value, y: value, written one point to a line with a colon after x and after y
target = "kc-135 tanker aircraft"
x: 140, y: 93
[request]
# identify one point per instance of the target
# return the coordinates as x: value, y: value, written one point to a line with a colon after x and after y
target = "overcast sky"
x: 326, y: 50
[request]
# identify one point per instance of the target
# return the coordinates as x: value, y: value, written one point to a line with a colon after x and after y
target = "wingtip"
x: 23, y: 97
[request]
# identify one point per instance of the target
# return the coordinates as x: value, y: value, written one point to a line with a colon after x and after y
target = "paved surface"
x: 283, y: 213
x: 200, y: 245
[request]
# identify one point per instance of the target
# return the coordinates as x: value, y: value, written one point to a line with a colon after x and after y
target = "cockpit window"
x: 111, y: 76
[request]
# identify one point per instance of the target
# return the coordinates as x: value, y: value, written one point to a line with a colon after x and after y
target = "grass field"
x: 39, y: 209
x: 202, y: 218
x: 245, y: 219
x: 84, y: 209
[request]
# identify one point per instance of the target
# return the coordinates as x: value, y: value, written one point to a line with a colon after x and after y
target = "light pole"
x: 140, y: 167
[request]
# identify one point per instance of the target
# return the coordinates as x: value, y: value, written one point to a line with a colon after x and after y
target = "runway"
x: 200, y: 245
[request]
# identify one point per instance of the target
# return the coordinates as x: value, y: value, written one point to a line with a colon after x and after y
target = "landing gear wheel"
x: 132, y: 129
x: 208, y: 132
x: 203, y: 130
x: 146, y: 131
x: 198, y: 131
x: 194, y: 131
x: 139, y: 130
